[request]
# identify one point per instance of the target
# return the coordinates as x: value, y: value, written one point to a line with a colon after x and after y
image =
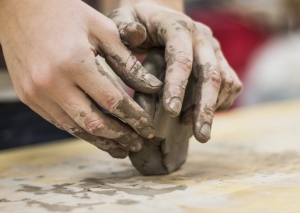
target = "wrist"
x: 177, y: 5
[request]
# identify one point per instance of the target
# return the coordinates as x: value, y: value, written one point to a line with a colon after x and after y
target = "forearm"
x: 174, y: 4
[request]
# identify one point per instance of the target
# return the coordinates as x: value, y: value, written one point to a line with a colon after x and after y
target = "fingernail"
x: 152, y: 80
x: 175, y: 106
x: 118, y: 153
x: 205, y: 131
x: 135, y: 146
x: 148, y: 132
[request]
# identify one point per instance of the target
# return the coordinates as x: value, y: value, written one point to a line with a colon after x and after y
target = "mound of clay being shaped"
x: 167, y: 150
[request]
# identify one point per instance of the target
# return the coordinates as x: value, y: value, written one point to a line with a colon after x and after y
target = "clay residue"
x: 202, y: 71
x: 4, y: 200
x: 118, y: 59
x: 184, y: 25
x: 82, y: 167
x: 127, y: 202
x: 145, y: 191
x: 19, y: 179
x: 59, y: 207
x: 64, y: 190
x: 97, y: 186
x: 137, y: 118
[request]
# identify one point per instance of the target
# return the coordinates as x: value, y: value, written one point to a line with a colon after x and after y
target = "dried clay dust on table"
x: 167, y: 150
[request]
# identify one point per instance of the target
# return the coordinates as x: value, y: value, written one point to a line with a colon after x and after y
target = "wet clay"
x: 167, y: 150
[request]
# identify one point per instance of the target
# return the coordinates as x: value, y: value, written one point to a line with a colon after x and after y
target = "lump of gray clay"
x: 167, y: 150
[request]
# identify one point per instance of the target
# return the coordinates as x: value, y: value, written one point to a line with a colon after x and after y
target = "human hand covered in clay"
x: 50, y: 49
x: 189, y: 48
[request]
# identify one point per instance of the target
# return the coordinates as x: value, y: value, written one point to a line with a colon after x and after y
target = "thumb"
x: 131, y: 31
x: 104, y: 38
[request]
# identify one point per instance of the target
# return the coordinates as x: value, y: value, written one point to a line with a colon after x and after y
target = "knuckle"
x: 238, y: 87
x: 113, y: 102
x: 216, y: 44
x: 183, y: 60
x: 182, y: 23
x: 228, y: 84
x: 207, y: 32
x: 209, y: 110
x: 42, y: 80
x: 94, y: 127
x: 214, y: 76
x: 204, y: 31
x: 29, y: 93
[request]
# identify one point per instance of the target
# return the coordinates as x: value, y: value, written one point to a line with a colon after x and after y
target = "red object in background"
x: 238, y: 37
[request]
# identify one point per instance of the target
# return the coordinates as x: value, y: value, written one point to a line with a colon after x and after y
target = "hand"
x: 189, y: 46
x: 50, y: 49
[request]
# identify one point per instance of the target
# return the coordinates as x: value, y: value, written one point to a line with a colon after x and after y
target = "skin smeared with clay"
x: 190, y: 49
x: 50, y: 55
x: 167, y: 150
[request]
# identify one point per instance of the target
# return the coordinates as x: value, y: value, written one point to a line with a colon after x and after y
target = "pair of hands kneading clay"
x: 197, y: 81
x: 50, y: 49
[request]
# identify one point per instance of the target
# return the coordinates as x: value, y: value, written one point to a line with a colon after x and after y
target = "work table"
x: 251, y: 164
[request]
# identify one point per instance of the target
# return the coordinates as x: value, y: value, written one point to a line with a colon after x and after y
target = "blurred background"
x: 259, y: 38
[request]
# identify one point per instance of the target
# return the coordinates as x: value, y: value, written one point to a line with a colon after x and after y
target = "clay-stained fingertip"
x: 136, y: 146
x: 204, y: 134
x: 199, y: 137
x: 148, y: 132
x: 118, y: 153
x: 174, y: 107
x: 153, y: 81
x: 146, y: 83
x: 133, y: 34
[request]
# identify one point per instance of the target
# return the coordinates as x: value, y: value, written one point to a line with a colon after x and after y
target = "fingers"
x: 208, y: 86
x: 66, y: 99
x: 133, y: 73
x: 179, y: 58
x: 95, y: 122
x: 132, y: 33
x: 231, y: 85
x: 107, y: 93
x: 120, y: 59
x: 62, y: 121
x: 105, y: 144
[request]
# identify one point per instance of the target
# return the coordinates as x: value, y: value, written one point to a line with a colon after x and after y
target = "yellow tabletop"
x: 251, y: 164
